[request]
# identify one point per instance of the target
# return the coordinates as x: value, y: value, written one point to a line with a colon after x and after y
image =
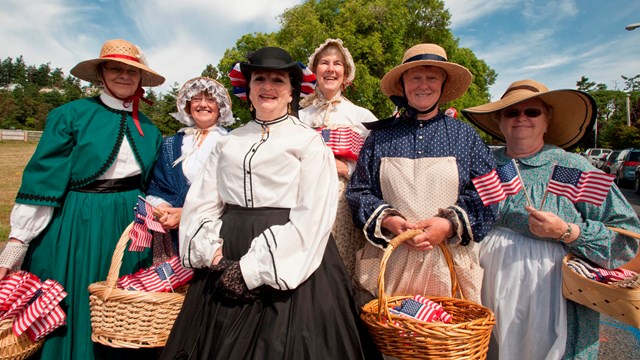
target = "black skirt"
x: 317, y: 320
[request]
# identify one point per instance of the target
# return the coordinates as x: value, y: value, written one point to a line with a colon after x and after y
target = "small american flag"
x: 499, y: 183
x: 343, y: 141
x: 140, y: 237
x: 145, y: 211
x: 579, y: 186
x: 46, y: 324
x: 162, y: 277
x: 422, y: 309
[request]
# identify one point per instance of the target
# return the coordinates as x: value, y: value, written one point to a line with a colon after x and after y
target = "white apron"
x: 417, y: 188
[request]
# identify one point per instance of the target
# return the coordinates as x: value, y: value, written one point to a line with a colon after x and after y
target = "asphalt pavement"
x: 618, y: 340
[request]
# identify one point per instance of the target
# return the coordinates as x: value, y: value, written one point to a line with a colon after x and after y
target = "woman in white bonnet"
x: 331, y: 113
x: 204, y: 106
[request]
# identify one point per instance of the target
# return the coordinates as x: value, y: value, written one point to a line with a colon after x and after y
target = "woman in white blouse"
x: 269, y: 281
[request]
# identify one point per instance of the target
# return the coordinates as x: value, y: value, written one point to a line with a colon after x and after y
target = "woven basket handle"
x: 383, y: 300
x: 116, y: 260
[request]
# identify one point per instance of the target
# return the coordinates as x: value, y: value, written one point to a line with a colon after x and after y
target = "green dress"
x: 80, y: 143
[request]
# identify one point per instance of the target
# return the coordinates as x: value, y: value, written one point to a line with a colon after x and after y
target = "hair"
x: 332, y: 47
x: 296, y: 86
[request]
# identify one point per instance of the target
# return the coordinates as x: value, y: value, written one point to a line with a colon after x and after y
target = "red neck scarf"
x: 135, y: 99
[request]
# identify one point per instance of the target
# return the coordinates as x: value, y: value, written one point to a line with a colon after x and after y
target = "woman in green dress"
x: 79, y: 189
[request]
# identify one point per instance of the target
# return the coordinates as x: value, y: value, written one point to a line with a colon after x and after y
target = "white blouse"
x: 28, y: 221
x: 282, y: 164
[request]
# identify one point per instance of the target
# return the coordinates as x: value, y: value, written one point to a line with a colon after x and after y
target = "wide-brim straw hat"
x: 271, y: 58
x: 349, y: 66
x: 121, y: 51
x: 458, y: 77
x: 574, y: 112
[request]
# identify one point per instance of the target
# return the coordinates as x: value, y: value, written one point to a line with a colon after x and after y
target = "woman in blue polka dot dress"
x: 415, y: 171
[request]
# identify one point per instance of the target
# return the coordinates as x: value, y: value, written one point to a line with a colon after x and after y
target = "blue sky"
x: 555, y: 42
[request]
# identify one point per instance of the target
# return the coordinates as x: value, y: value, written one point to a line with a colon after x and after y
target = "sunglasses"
x: 528, y: 112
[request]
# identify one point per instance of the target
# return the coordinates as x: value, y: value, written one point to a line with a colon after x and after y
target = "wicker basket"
x: 131, y: 319
x: 620, y: 303
x: 466, y: 337
x: 16, y: 348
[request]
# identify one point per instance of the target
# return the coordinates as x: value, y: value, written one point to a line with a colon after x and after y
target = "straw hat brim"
x: 457, y: 82
x: 574, y: 113
x: 88, y: 71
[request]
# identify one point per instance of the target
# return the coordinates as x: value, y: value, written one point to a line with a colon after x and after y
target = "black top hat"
x: 271, y: 58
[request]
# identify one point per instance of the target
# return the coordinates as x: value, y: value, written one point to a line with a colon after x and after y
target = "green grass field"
x: 14, y: 156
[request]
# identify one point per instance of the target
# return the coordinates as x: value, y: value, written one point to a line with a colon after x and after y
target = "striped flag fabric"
x: 140, y: 237
x: 33, y: 305
x: 499, y: 183
x: 144, y: 211
x: 162, y: 277
x: 422, y: 309
x: 580, y: 186
x: 343, y: 141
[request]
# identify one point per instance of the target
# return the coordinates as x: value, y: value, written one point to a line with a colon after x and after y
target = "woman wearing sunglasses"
x: 522, y: 256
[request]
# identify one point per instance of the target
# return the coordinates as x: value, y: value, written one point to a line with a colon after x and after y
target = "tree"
x: 377, y: 33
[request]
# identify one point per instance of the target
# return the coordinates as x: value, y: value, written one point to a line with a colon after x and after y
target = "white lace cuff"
x: 13, y: 255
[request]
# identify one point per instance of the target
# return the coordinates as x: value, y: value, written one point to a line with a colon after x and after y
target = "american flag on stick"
x: 499, y: 183
x: 580, y: 186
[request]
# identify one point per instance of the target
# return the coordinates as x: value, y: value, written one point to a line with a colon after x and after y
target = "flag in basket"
x: 422, y: 309
x: 343, y: 141
x: 579, y: 186
x: 499, y: 183
x: 163, y: 277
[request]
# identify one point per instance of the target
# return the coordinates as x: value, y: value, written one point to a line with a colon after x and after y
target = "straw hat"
x: 574, y: 112
x: 120, y: 51
x: 458, y: 77
x: 349, y: 66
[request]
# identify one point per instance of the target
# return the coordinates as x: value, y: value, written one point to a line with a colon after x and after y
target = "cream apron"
x: 417, y: 188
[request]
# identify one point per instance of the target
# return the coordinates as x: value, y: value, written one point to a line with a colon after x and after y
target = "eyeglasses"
x: 528, y: 112
x: 118, y: 70
x: 197, y: 100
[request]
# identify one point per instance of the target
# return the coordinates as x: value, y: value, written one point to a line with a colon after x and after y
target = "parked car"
x: 611, y: 158
x: 625, y: 166
x: 601, y: 160
x: 593, y: 153
x: 636, y: 180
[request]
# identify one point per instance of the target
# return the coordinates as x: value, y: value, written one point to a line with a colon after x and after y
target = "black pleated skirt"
x: 317, y: 320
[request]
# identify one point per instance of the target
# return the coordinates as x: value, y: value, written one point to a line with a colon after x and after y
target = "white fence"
x: 20, y: 135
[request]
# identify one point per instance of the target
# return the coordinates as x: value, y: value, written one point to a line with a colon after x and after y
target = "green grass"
x: 14, y: 156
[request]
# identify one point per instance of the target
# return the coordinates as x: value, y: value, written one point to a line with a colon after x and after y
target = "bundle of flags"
x: 33, y: 304
x: 343, y: 141
x: 143, y: 222
x: 595, y: 273
x: 162, y: 277
x: 422, y: 309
